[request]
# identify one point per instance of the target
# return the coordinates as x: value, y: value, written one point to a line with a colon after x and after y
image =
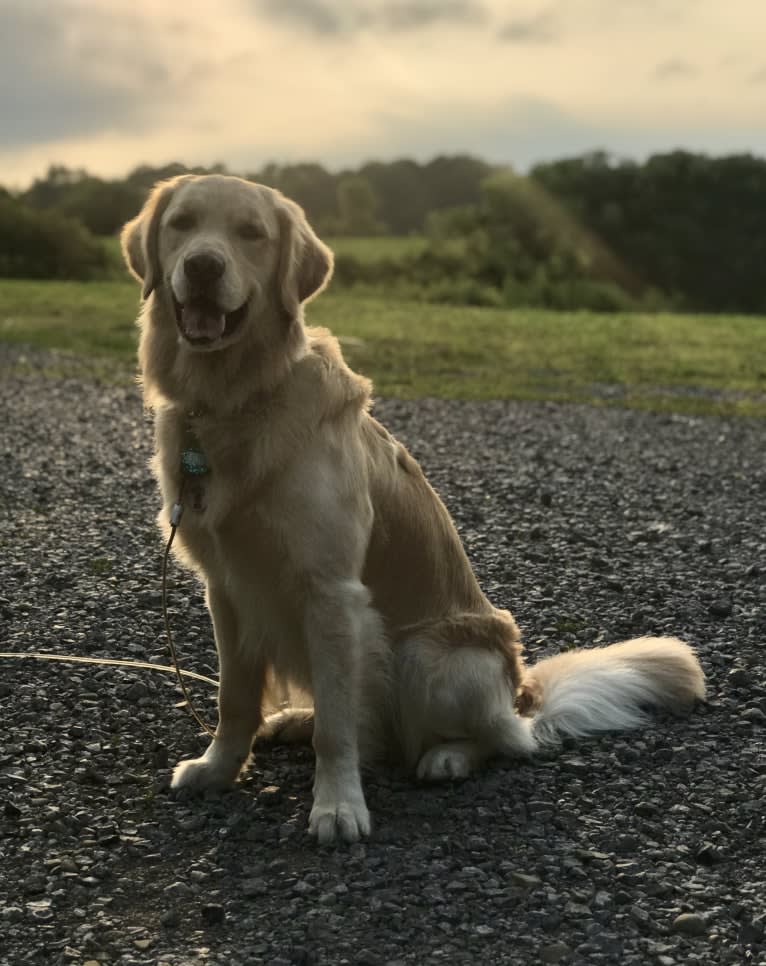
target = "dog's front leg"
x: 242, y: 674
x: 334, y: 621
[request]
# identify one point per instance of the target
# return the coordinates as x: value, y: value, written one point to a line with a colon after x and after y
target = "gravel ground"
x: 590, y: 524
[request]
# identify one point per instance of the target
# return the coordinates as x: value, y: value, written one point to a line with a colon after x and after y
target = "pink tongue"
x: 202, y: 322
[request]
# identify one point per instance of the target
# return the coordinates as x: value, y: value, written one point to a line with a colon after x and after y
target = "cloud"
x: 334, y: 18
x: 67, y: 69
x: 542, y: 28
x: 525, y: 130
x: 674, y: 69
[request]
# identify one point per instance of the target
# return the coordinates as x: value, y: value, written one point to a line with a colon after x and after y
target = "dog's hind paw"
x: 445, y: 763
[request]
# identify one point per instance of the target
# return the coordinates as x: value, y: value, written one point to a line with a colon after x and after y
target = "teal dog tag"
x: 194, y: 462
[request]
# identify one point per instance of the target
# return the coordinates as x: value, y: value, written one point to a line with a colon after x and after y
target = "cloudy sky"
x: 108, y: 84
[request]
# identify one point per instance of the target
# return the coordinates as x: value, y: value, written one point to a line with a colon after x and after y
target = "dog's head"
x: 221, y: 252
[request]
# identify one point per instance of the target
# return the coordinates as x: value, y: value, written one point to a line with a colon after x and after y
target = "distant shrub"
x: 46, y: 244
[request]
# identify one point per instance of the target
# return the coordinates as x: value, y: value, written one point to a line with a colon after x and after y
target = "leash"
x: 194, y: 465
x: 108, y: 661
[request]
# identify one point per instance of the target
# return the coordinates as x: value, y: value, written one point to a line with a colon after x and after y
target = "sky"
x: 110, y: 84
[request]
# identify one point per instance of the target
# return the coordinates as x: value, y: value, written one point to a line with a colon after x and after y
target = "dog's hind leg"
x: 456, y: 709
x: 242, y: 678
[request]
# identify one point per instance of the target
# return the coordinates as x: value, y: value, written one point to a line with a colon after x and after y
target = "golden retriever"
x: 329, y: 562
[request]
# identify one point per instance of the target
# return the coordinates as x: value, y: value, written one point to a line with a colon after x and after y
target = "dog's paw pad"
x: 345, y: 821
x: 444, y: 763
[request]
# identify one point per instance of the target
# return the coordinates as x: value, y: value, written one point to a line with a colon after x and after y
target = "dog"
x: 331, y: 567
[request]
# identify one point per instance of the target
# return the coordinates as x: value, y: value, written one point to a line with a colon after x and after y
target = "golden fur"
x: 330, y: 564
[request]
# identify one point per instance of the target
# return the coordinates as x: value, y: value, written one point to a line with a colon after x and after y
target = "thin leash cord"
x: 107, y: 661
x: 175, y: 519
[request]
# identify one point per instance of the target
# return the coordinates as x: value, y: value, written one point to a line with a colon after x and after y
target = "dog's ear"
x: 140, y: 237
x: 305, y: 263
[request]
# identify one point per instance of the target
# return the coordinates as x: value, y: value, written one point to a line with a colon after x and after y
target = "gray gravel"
x: 590, y: 524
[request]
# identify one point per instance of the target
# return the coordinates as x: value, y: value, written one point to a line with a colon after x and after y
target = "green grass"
x: 413, y: 350
x: 378, y: 247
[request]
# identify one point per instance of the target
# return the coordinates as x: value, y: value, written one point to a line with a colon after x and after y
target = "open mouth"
x: 203, y: 323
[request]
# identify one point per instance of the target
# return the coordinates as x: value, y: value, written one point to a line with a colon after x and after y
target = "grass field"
x: 695, y: 364
x: 376, y: 248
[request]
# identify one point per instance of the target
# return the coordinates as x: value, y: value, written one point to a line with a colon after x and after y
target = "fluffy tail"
x: 579, y: 693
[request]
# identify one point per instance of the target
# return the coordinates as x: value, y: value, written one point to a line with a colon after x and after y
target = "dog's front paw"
x: 347, y: 821
x: 214, y: 770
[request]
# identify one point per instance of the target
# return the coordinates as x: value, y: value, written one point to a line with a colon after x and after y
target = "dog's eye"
x: 183, y: 221
x: 251, y: 231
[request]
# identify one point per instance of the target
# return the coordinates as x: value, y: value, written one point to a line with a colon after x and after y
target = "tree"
x: 46, y: 244
x: 357, y: 207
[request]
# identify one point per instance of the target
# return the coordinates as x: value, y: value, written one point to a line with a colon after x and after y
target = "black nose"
x: 203, y: 267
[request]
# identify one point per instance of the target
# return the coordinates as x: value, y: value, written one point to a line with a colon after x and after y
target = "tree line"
x: 679, y: 230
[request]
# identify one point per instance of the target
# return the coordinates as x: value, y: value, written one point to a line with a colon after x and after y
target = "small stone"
x: 170, y: 919
x: 554, y: 952
x: 303, y: 888
x: 708, y: 854
x: 213, y: 914
x: 366, y: 957
x: 143, y: 944
x: 690, y: 924
x: 576, y: 910
x: 546, y: 497
x: 739, y: 677
x: 754, y: 716
x: 254, y: 887
x: 626, y: 843
x: 11, y: 810
x: 34, y: 885
x: 753, y: 932
x: 592, y: 855
x: 722, y: 607
x: 524, y: 880
x: 160, y: 756
x: 11, y: 913
x: 639, y: 915
x: 645, y: 809
x: 270, y: 795
x: 136, y: 691
x: 178, y: 890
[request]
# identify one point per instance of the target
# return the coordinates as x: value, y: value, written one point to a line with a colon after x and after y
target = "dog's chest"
x: 226, y: 477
